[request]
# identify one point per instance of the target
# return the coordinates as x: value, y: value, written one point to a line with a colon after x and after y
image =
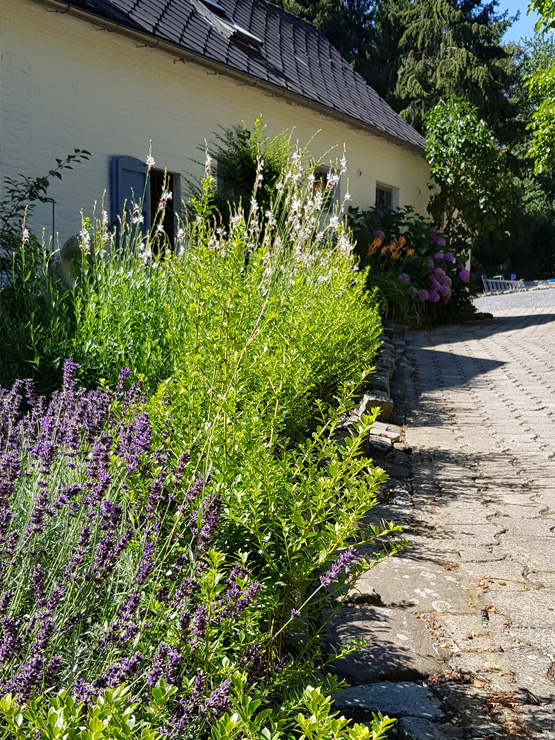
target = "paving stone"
x: 420, y: 585
x: 530, y: 669
x: 394, y: 699
x: 417, y: 728
x: 398, y: 644
x: 526, y: 609
x: 376, y: 400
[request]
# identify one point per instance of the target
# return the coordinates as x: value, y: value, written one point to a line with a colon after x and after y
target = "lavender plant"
x: 108, y: 575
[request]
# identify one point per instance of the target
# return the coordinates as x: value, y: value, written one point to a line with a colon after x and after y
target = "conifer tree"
x: 452, y: 47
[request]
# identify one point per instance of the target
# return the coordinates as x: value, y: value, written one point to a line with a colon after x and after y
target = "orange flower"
x: 396, y: 254
x: 402, y: 241
x: 410, y: 252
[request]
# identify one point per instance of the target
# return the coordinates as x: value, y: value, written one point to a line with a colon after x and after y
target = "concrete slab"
x: 394, y: 699
x: 398, y: 645
x: 417, y: 728
x: 526, y: 609
x: 418, y: 584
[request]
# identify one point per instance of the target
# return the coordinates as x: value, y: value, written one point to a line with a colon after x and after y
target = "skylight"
x: 245, y: 39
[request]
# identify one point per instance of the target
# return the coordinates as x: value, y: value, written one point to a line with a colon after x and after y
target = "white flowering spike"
x: 166, y: 196
x: 150, y: 162
x: 25, y: 236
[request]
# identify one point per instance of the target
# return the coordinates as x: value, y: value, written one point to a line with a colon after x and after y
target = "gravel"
x: 527, y: 299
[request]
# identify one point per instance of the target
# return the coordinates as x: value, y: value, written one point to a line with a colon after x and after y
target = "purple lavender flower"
x: 346, y: 559
x: 117, y: 673
x: 199, y: 623
x: 70, y: 370
x: 464, y: 276
x: 449, y: 257
x: 84, y: 692
x: 209, y: 514
x: 218, y: 701
x: 295, y: 614
x: 404, y: 277
x: 23, y: 683
x: 439, y: 256
x: 159, y: 664
x: 135, y: 440
x: 11, y: 639
x: 52, y: 668
x: 124, y: 373
x: 5, y: 600
x: 78, y: 556
x: 433, y: 297
x: 38, y: 586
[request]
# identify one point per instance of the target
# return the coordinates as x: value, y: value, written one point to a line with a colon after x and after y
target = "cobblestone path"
x: 483, y: 440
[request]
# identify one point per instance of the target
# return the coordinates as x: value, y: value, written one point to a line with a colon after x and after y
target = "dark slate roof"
x: 294, y: 56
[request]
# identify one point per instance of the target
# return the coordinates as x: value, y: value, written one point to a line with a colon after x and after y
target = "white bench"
x: 499, y: 283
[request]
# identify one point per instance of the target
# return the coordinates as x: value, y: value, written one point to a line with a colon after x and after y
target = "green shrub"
x: 252, y: 343
x: 417, y: 279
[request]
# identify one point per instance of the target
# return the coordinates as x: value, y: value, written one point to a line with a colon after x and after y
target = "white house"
x: 111, y: 75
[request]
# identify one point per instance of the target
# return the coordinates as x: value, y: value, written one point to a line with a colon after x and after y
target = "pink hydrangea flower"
x: 430, y: 264
x: 414, y: 290
x: 447, y: 281
x: 423, y: 294
x: 439, y: 274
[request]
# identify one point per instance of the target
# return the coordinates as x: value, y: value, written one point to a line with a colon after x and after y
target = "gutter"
x: 184, y: 55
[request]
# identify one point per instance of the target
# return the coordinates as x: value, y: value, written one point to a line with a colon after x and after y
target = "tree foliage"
x: 452, y: 47
x: 470, y: 170
x: 541, y: 86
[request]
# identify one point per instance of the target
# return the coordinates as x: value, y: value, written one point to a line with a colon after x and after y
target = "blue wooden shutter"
x: 129, y: 185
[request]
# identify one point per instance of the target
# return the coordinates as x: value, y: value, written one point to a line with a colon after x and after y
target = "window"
x: 386, y: 197
x: 131, y: 183
x: 220, y: 18
x: 322, y: 184
x: 161, y: 182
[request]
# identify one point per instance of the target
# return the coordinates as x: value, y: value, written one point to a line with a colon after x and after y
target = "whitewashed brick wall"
x: 67, y: 84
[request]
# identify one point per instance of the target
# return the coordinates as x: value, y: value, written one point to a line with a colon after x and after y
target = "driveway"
x: 483, y: 485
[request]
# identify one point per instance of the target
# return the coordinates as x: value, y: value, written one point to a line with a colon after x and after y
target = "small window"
x: 386, y: 197
x: 237, y: 34
x: 321, y: 183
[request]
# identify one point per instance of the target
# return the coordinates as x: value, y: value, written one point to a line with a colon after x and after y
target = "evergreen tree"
x: 348, y: 25
x: 452, y: 47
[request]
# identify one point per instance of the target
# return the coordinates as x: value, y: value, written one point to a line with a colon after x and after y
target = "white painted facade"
x: 67, y: 83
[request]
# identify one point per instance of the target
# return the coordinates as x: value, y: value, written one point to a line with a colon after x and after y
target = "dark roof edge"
x: 189, y: 56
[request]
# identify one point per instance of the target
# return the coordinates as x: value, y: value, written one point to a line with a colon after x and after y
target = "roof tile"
x: 294, y: 55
